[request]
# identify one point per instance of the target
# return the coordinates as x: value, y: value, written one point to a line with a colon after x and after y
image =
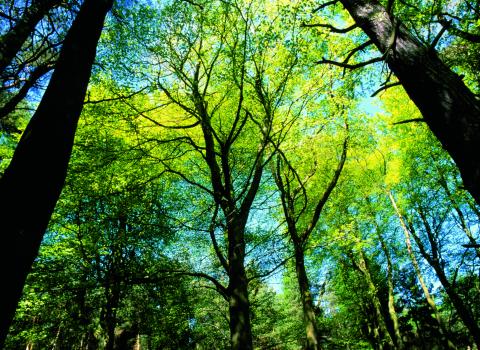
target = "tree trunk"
x: 391, y: 301
x: 433, y: 259
x: 430, y: 301
x: 447, y: 105
x: 11, y: 42
x: 382, y: 325
x: 239, y: 305
x: 34, y: 179
x: 464, y: 312
x: 307, y: 301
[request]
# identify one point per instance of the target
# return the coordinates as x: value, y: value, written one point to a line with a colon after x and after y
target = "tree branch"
x: 409, y: 121
x: 350, y: 66
x: 322, y: 6
x: 330, y: 27
x: 385, y: 87
x: 211, y: 231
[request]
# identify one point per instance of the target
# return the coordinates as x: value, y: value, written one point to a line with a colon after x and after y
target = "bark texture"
x: 239, y: 305
x: 32, y: 183
x: 449, y: 108
x: 313, y: 341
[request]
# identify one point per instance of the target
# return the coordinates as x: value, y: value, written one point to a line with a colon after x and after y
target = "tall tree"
x: 448, y: 107
x: 33, y: 181
x: 296, y: 203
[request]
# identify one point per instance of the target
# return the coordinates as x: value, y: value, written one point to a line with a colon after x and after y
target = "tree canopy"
x: 230, y: 174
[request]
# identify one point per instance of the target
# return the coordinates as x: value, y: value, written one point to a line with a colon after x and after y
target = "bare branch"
x: 322, y: 6
x: 385, y: 87
x: 409, y: 121
x: 333, y: 182
x: 120, y: 97
x: 350, y: 66
x: 211, y: 231
x: 330, y: 27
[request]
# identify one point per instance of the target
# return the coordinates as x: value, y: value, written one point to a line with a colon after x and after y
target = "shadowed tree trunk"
x: 434, y: 260
x: 449, y: 108
x: 313, y: 335
x: 430, y: 301
x: 11, y: 42
x: 362, y: 266
x: 34, y: 179
x: 239, y: 305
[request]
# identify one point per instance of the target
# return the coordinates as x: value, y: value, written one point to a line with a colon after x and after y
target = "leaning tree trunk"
x: 32, y: 183
x: 449, y: 108
x: 391, y: 300
x: 239, y: 305
x: 428, y: 297
x: 11, y: 42
x: 372, y: 291
x: 307, y: 301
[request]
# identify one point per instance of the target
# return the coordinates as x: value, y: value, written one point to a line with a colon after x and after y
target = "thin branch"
x: 333, y: 182
x: 322, y: 6
x: 438, y: 37
x: 268, y: 273
x: 350, y: 66
x: 385, y: 87
x: 409, y: 121
x: 447, y: 25
x: 211, y: 231
x: 120, y: 97
x: 330, y: 27
x: 194, y: 4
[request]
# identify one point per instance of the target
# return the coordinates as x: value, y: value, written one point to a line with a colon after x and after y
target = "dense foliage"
x: 239, y: 175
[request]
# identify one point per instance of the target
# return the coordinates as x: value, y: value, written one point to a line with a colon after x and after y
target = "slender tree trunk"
x: 463, y: 222
x: 464, y: 312
x: 11, y: 42
x: 382, y: 325
x: 32, y: 183
x: 391, y: 301
x: 307, y: 301
x: 449, y: 108
x: 462, y: 309
x: 239, y: 305
x: 430, y: 301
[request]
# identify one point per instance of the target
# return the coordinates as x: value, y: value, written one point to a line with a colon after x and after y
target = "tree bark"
x: 11, y: 42
x: 34, y: 179
x: 449, y: 108
x: 239, y: 305
x: 307, y: 301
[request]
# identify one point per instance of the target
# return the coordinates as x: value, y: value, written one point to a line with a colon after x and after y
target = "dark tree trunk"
x: 307, y: 301
x: 112, y: 294
x: 32, y: 183
x: 12, y: 103
x: 433, y: 260
x: 447, y: 105
x: 464, y: 312
x: 12, y: 41
x: 239, y: 305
